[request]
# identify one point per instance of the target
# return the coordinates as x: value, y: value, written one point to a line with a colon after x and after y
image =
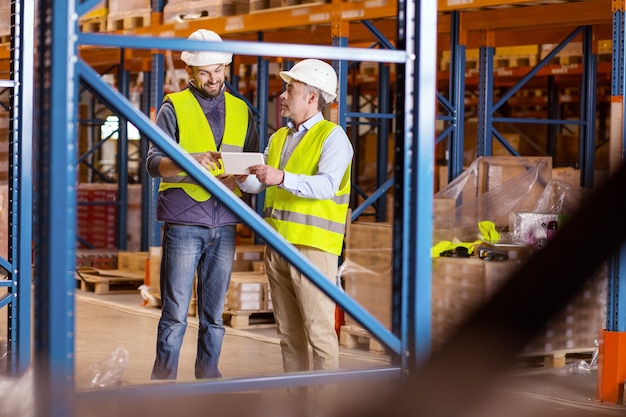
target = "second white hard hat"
x: 315, y: 73
x: 204, y: 58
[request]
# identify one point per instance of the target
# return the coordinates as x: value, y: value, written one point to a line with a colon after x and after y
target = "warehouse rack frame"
x: 17, y: 268
x: 60, y: 70
x: 54, y: 346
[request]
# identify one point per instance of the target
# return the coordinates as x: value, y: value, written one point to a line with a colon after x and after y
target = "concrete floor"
x: 106, y: 323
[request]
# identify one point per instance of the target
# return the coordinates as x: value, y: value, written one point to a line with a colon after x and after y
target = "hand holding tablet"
x: 237, y: 163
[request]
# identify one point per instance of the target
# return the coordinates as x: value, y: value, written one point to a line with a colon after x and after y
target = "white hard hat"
x: 315, y: 73
x: 204, y: 58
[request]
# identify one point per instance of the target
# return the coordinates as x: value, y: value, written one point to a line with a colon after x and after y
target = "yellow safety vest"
x: 195, y: 135
x: 319, y: 224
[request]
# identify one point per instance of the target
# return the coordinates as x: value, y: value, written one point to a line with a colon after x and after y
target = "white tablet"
x: 237, y: 163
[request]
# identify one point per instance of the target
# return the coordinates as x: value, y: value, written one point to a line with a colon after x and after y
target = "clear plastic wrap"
x: 17, y: 398
x: 491, y: 188
x: 107, y: 372
x: 559, y: 197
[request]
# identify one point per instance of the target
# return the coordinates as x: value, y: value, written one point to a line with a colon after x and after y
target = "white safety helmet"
x: 315, y: 73
x: 204, y: 58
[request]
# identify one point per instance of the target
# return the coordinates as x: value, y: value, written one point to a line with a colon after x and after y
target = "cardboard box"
x: 366, y: 270
x: 247, y: 291
x: 133, y: 261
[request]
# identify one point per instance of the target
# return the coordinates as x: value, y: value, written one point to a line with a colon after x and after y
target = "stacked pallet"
x: 179, y: 10
x: 126, y: 278
x: 95, y: 20
x: 96, y: 258
x: 248, y: 301
x: 247, y: 264
x: 129, y: 14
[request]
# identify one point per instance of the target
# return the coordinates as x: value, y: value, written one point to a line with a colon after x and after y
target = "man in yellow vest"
x: 307, y: 182
x: 199, y: 231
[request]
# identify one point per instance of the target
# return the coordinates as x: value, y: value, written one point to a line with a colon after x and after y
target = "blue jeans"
x: 210, y: 253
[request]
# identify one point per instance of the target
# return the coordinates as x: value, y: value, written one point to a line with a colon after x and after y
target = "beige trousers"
x: 304, y: 314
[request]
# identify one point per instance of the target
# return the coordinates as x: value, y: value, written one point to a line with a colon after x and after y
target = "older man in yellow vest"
x: 199, y: 231
x: 307, y: 182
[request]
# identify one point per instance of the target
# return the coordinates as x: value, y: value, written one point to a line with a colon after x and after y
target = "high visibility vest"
x: 319, y: 224
x: 195, y: 135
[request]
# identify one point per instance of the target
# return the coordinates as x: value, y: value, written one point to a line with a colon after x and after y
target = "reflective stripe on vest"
x: 195, y: 135
x: 304, y: 221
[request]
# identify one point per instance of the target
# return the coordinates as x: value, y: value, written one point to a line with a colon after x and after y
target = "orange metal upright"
x: 611, y: 366
x: 612, y: 352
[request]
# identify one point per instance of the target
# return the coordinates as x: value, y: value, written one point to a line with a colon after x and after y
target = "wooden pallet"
x: 351, y: 337
x: 93, y: 24
x: 557, y: 358
x: 253, y: 319
x: 108, y: 282
x: 190, y: 10
x: 133, y: 20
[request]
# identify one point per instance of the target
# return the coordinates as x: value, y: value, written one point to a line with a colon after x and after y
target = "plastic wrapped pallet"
x: 493, y: 187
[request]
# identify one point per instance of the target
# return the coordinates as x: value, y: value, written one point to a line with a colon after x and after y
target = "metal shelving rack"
x: 15, y: 295
x: 59, y: 70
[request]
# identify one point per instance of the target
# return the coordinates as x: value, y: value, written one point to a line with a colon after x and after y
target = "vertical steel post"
x: 122, y: 159
x: 156, y: 97
x: 384, y: 106
x: 55, y: 245
x: 612, y: 363
x: 417, y: 26
x: 484, y: 137
x: 587, y: 142
x: 262, y: 104
x: 616, y: 302
x: 553, y: 112
x: 144, y: 178
x: 457, y: 97
x: 21, y: 185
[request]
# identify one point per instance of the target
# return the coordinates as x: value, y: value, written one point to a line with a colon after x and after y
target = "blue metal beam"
x: 537, y: 68
x: 616, y: 298
x: 484, y: 144
x: 56, y: 185
x: 263, y: 76
x: 245, y: 48
x: 371, y: 199
x: 457, y: 97
x: 413, y: 189
x: 123, y: 86
x: 382, y: 148
x: 21, y: 181
x: 587, y: 143
x: 148, y: 392
x: 83, y: 6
